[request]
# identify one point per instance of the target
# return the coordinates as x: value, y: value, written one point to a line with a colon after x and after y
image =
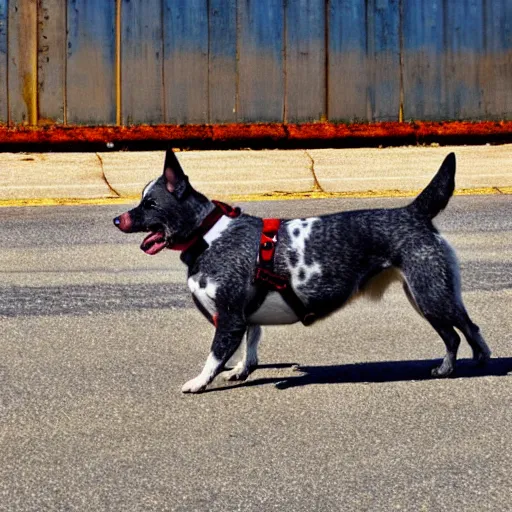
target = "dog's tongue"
x: 153, y: 243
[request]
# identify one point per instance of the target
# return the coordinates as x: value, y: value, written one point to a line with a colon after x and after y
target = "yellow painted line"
x: 5, y: 203
x: 272, y: 196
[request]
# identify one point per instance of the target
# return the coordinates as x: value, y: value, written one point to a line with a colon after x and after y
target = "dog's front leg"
x: 228, y: 336
x: 249, y: 361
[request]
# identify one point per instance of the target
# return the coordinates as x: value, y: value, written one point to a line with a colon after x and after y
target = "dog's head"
x: 170, y: 209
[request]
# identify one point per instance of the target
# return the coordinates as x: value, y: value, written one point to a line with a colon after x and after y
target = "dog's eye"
x: 148, y: 203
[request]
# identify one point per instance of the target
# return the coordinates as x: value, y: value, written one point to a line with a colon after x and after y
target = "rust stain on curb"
x: 395, y: 133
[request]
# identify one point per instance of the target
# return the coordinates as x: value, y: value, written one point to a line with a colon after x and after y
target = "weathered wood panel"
x: 464, y: 47
x: 4, y: 112
x: 348, y: 79
x: 261, y: 63
x: 186, y: 61
x: 423, y: 36
x: 496, y: 70
x: 91, y: 87
x: 142, y: 62
x: 51, y: 60
x: 305, y: 60
x: 223, y: 64
x: 22, y: 61
x: 383, y: 22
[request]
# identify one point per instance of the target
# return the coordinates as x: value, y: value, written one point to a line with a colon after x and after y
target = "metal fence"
x: 129, y: 62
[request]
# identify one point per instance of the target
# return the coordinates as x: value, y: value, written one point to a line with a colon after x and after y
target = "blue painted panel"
x: 305, y: 60
x: 223, y: 65
x: 3, y: 62
x: 186, y: 61
x: 142, y: 62
x: 348, y: 79
x: 464, y: 37
x: 423, y: 57
x: 261, y: 64
x: 496, y: 71
x: 91, y: 93
x: 383, y: 22
x: 498, y: 25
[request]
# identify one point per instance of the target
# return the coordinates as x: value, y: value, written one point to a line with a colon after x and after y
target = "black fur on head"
x: 170, y: 209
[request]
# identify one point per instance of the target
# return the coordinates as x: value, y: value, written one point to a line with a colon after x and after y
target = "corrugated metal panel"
x: 463, y: 51
x: 3, y: 62
x: 348, y: 79
x: 51, y: 61
x: 261, y: 62
x: 22, y: 61
x: 383, y: 59
x: 223, y: 78
x: 142, y: 62
x: 223, y: 61
x: 186, y: 61
x: 423, y: 37
x: 305, y: 60
x: 496, y: 69
x: 91, y: 85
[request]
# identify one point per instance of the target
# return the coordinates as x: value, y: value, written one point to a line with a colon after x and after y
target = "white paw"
x: 194, y: 385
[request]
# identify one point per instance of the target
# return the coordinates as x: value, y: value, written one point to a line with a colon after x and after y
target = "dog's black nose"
x: 117, y: 221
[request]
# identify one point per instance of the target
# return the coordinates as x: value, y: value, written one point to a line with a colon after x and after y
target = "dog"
x: 307, y: 268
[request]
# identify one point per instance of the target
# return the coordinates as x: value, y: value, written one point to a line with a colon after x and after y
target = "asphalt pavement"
x: 97, y: 339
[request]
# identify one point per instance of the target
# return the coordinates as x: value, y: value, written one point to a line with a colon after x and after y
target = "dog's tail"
x: 436, y: 195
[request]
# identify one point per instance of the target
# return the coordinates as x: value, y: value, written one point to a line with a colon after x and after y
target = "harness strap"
x: 270, y: 281
x: 195, y: 244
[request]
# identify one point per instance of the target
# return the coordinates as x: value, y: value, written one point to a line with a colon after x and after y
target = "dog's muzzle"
x: 124, y: 222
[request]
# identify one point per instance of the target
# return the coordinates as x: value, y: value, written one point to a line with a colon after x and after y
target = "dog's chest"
x: 204, y: 289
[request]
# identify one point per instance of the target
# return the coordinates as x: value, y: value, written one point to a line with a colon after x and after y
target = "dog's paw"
x: 440, y: 372
x: 194, y: 386
x: 481, y: 358
x: 239, y: 373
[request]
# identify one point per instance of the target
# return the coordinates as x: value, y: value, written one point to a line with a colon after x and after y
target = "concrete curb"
x: 267, y: 173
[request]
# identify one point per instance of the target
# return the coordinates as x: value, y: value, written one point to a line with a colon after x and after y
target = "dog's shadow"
x: 376, y: 372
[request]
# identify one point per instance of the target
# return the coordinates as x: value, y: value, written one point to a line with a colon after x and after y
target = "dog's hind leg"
x: 444, y: 310
x: 452, y: 341
x: 471, y: 331
x: 228, y: 336
x: 249, y: 361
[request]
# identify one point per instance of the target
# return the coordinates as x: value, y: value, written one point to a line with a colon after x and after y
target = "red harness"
x: 264, y: 276
x: 270, y: 281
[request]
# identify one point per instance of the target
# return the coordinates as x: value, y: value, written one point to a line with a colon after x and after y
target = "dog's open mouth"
x: 154, y: 242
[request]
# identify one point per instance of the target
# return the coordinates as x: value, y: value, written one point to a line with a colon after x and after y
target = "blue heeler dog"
x: 244, y: 271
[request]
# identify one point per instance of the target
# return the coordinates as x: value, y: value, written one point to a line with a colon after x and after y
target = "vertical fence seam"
x: 65, y: 78
x: 325, y: 116
x: 401, y: 59
x: 162, y: 35
x: 118, y: 63
x: 237, y: 73
x: 7, y: 63
x: 208, y: 99
x: 34, y: 111
x: 284, y: 51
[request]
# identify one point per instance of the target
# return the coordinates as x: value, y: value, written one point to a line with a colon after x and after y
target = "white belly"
x: 273, y: 311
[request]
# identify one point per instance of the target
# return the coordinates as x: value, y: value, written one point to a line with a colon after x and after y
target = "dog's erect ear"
x: 175, y: 179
